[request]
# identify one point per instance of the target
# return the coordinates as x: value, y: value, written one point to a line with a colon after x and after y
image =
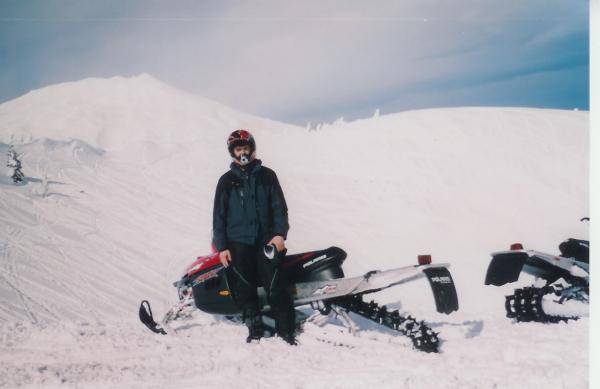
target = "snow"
x: 118, y: 200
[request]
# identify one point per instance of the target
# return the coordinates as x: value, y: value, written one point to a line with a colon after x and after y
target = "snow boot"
x: 289, y: 339
x: 254, y: 322
x: 285, y: 325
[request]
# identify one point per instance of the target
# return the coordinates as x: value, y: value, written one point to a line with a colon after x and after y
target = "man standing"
x: 250, y: 212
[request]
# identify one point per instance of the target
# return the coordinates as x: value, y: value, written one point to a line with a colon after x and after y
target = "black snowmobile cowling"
x: 206, y: 277
x: 317, y: 278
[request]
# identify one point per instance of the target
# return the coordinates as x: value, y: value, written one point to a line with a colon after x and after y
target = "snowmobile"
x: 316, y: 279
x: 566, y: 278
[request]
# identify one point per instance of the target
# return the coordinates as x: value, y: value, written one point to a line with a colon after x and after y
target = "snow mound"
x: 43, y: 155
x: 114, y: 207
x: 111, y: 113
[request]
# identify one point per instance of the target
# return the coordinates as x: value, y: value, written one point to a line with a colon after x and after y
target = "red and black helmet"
x: 240, y: 138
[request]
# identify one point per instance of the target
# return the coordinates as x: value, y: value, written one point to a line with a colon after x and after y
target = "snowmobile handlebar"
x: 270, y: 251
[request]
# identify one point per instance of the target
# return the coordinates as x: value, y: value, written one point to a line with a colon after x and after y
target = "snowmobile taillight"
x: 424, y: 259
x: 516, y: 246
x: 223, y: 293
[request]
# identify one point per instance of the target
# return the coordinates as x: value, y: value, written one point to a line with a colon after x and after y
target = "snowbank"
x: 119, y: 199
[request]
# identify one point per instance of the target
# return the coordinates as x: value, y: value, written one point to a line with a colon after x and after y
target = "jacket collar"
x: 251, y: 168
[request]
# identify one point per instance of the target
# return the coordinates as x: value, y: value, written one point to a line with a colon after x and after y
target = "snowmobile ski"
x: 148, y: 319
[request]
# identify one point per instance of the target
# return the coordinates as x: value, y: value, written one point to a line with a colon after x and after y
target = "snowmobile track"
x: 526, y: 306
x: 423, y: 337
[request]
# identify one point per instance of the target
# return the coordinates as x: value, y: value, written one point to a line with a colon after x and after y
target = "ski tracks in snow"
x: 207, y: 351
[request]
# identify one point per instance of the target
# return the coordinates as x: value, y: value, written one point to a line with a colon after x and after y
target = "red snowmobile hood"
x: 203, y: 263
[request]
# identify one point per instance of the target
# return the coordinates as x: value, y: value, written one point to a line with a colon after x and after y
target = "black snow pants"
x: 249, y: 268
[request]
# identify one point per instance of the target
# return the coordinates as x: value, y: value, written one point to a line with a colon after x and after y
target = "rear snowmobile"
x: 317, y: 279
x: 566, y: 279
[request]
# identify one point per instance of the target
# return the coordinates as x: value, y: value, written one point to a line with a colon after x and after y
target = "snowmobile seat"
x: 575, y: 248
x: 317, y: 265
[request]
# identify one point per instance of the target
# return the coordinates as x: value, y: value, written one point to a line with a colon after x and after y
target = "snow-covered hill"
x: 121, y: 175
x: 109, y: 113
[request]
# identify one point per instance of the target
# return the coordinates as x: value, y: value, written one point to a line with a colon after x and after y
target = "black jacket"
x: 249, y: 206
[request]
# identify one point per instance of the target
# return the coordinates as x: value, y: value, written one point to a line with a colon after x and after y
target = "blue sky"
x: 310, y: 61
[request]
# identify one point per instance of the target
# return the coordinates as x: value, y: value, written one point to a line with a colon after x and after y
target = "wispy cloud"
x: 300, y: 61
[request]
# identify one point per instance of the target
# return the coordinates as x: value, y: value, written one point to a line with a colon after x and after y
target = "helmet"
x: 241, y: 138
